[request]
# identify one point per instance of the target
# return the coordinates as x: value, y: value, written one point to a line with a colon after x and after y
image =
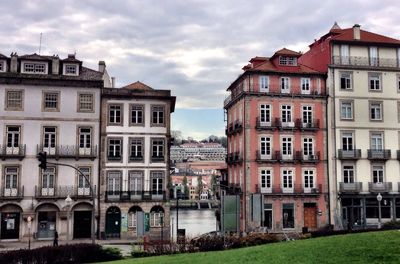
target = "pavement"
x: 124, y: 245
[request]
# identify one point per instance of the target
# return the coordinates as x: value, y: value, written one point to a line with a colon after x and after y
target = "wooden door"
x: 310, y: 217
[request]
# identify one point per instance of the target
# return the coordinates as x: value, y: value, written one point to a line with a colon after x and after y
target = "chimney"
x: 71, y: 56
x: 14, y: 62
x: 55, y: 68
x: 112, y: 82
x: 102, y: 66
x: 356, y: 32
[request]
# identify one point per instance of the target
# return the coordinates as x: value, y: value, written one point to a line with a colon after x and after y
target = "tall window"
x: 13, y: 136
x: 136, y: 149
x: 285, y: 85
x: 49, y: 138
x: 377, y: 141
x: 288, y: 215
x: 374, y: 82
x: 287, y: 180
x: 345, y: 81
x: 375, y: 110
x: 373, y: 56
x: 266, y: 179
x: 157, y: 180
x: 115, y: 114
x: 377, y: 173
x: 135, y: 182
x: 348, y: 173
x: 157, y: 146
x: 11, y: 180
x: 346, y: 110
x: 308, y: 146
x: 14, y: 100
x: 114, y: 149
x: 265, y: 147
x: 137, y: 114
x: 85, y: 137
x: 264, y: 83
x: 344, y: 54
x: 85, y: 102
x: 308, y: 176
x: 287, y: 147
x: 83, y: 184
x: 347, y: 141
x: 305, y: 85
x: 157, y: 114
x: 265, y: 113
x: 286, y: 114
x: 307, y: 114
x: 51, y: 101
x: 48, y: 181
x: 113, y: 183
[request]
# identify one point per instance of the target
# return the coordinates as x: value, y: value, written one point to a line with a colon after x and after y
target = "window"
x: 157, y: 113
x: 13, y: 136
x: 85, y: 137
x: 347, y: 141
x: 137, y: 114
x: 114, y: 149
x: 284, y: 60
x: 287, y: 179
x: 266, y: 179
x: 345, y: 81
x: 377, y: 141
x: 373, y: 56
x: 265, y: 147
x: 286, y: 115
x: 85, y: 102
x: 157, y: 180
x: 346, y: 110
x: 157, y: 146
x: 265, y: 114
x: 71, y: 69
x: 2, y: 66
x: 307, y: 114
x: 285, y: 85
x: 288, y: 215
x: 36, y: 68
x: 375, y: 110
x: 377, y: 173
x: 287, y: 147
x: 113, y: 183
x: 308, y: 147
x: 348, y: 173
x: 156, y: 216
x: 305, y: 85
x: 136, y: 182
x: 136, y: 149
x: 11, y: 181
x: 49, y: 139
x: 344, y: 54
x: 132, y: 219
x: 115, y: 114
x: 308, y: 176
x: 48, y: 181
x: 14, y: 100
x: 264, y: 83
x: 83, y: 184
x: 374, y: 82
x: 51, y: 101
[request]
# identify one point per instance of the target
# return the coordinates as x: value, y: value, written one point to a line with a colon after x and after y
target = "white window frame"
x: 83, y: 184
x: 376, y: 111
x: 305, y: 85
x: 377, y: 143
x: 378, y: 173
x: 285, y: 85
x: 309, y: 179
x: 373, y: 56
x: 287, y: 116
x: 348, y: 81
x: 307, y: 115
x: 344, y: 54
x: 35, y: 67
x: 265, y: 147
x: 346, y: 110
x: 287, y: 180
x: 374, y: 82
x: 67, y: 67
x: 264, y: 83
x: 11, y: 178
x: 265, y: 111
x: 287, y: 147
x: 308, y: 148
x: 347, y: 141
x: 266, y: 178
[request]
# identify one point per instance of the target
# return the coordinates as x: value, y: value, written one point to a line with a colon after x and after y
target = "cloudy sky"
x: 194, y: 48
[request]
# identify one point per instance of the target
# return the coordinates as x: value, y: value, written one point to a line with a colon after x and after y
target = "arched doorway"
x: 47, y: 220
x: 113, y: 222
x: 136, y: 221
x: 82, y: 220
x: 10, y: 221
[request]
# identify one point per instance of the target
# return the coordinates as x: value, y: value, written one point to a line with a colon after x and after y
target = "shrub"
x: 329, y: 232
x: 76, y: 253
x: 391, y: 225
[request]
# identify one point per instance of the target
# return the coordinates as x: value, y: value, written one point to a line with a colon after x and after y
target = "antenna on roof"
x: 40, y: 43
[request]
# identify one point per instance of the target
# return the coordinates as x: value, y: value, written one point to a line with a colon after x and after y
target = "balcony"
x: 12, y: 152
x: 69, y: 152
x: 365, y: 61
x: 354, y: 187
x: 237, y: 158
x: 379, y: 187
x: 311, y: 126
x: 229, y: 129
x: 353, y: 154
x: 237, y: 126
x: 383, y: 154
x: 287, y: 158
x: 129, y: 196
x: 62, y: 191
x: 265, y: 125
x: 157, y: 159
x: 12, y: 193
x: 273, y: 157
x: 294, y: 189
x: 285, y: 125
x: 315, y: 158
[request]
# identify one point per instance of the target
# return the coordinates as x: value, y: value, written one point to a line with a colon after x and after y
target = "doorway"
x: 310, y: 215
x: 268, y: 218
x: 10, y: 225
x: 82, y: 224
x: 46, y: 224
x: 113, y: 222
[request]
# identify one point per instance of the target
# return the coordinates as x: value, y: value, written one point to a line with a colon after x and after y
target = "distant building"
x: 198, y: 151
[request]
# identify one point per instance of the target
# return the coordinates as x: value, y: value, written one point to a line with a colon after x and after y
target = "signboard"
x: 124, y: 222
x: 230, y: 213
x: 146, y: 222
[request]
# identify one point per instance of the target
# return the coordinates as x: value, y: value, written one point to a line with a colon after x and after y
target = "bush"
x: 330, y: 232
x: 391, y: 225
x: 76, y: 253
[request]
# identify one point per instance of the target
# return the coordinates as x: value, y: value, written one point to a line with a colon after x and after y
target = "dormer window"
x: 290, y: 61
x: 34, y: 67
x: 71, y: 69
x: 2, y: 66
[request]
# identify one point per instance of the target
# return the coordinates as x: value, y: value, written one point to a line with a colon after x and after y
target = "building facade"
x: 198, y: 151
x: 363, y: 77
x: 135, y: 129
x: 276, y: 133
x: 52, y: 105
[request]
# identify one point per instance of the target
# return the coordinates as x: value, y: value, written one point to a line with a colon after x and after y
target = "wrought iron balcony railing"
x: 14, y: 152
x: 365, y: 61
x: 383, y: 154
x: 62, y: 191
x: 290, y: 189
x: 68, y: 152
x: 347, y: 187
x: 380, y: 187
x: 127, y: 196
x: 353, y: 154
x: 12, y: 193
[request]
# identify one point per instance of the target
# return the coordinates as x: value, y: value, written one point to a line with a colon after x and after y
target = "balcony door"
x: 307, y: 114
x: 347, y: 141
x: 265, y: 148
x: 377, y: 142
x: 113, y: 184
x: 83, y: 184
x: 85, y: 141
x: 287, y: 148
x: 11, y: 181
x: 136, y: 184
x: 13, y: 139
x: 49, y: 140
x: 287, y: 181
x: 48, y: 179
x: 344, y: 54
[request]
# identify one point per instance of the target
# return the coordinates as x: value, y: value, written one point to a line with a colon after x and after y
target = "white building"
x: 135, y: 161
x: 47, y: 104
x: 198, y: 151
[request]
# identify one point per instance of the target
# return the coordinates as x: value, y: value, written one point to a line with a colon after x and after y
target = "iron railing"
x: 365, y: 61
x: 17, y: 152
x: 62, y: 191
x: 380, y: 187
x: 12, y: 193
x: 353, y: 187
x: 349, y: 154
x: 68, y: 151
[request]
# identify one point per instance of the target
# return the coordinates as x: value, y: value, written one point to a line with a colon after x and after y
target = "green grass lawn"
x: 373, y: 247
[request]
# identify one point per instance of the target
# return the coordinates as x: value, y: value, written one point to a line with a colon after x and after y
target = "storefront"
x: 46, y: 221
x: 10, y: 223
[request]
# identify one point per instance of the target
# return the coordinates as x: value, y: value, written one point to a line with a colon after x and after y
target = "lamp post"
x: 68, y: 202
x: 29, y: 231
x: 177, y: 209
x: 379, y: 198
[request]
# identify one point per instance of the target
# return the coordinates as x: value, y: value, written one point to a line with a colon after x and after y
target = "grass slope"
x: 373, y: 247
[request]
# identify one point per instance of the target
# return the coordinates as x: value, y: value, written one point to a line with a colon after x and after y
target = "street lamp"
x: 29, y: 231
x: 68, y: 202
x: 379, y: 198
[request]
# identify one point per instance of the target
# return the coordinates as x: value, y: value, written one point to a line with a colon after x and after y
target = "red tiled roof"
x: 287, y: 52
x: 137, y: 86
x: 268, y: 66
x: 365, y: 36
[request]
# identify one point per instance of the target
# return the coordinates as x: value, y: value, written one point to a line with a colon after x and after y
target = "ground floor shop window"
x: 46, y: 224
x: 288, y: 215
x: 372, y: 208
x: 267, y: 221
x: 397, y: 208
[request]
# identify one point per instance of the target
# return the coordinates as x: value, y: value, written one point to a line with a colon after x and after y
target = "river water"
x: 196, y: 222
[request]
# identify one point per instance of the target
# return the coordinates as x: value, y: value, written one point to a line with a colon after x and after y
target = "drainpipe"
x: 327, y: 154
x: 99, y: 165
